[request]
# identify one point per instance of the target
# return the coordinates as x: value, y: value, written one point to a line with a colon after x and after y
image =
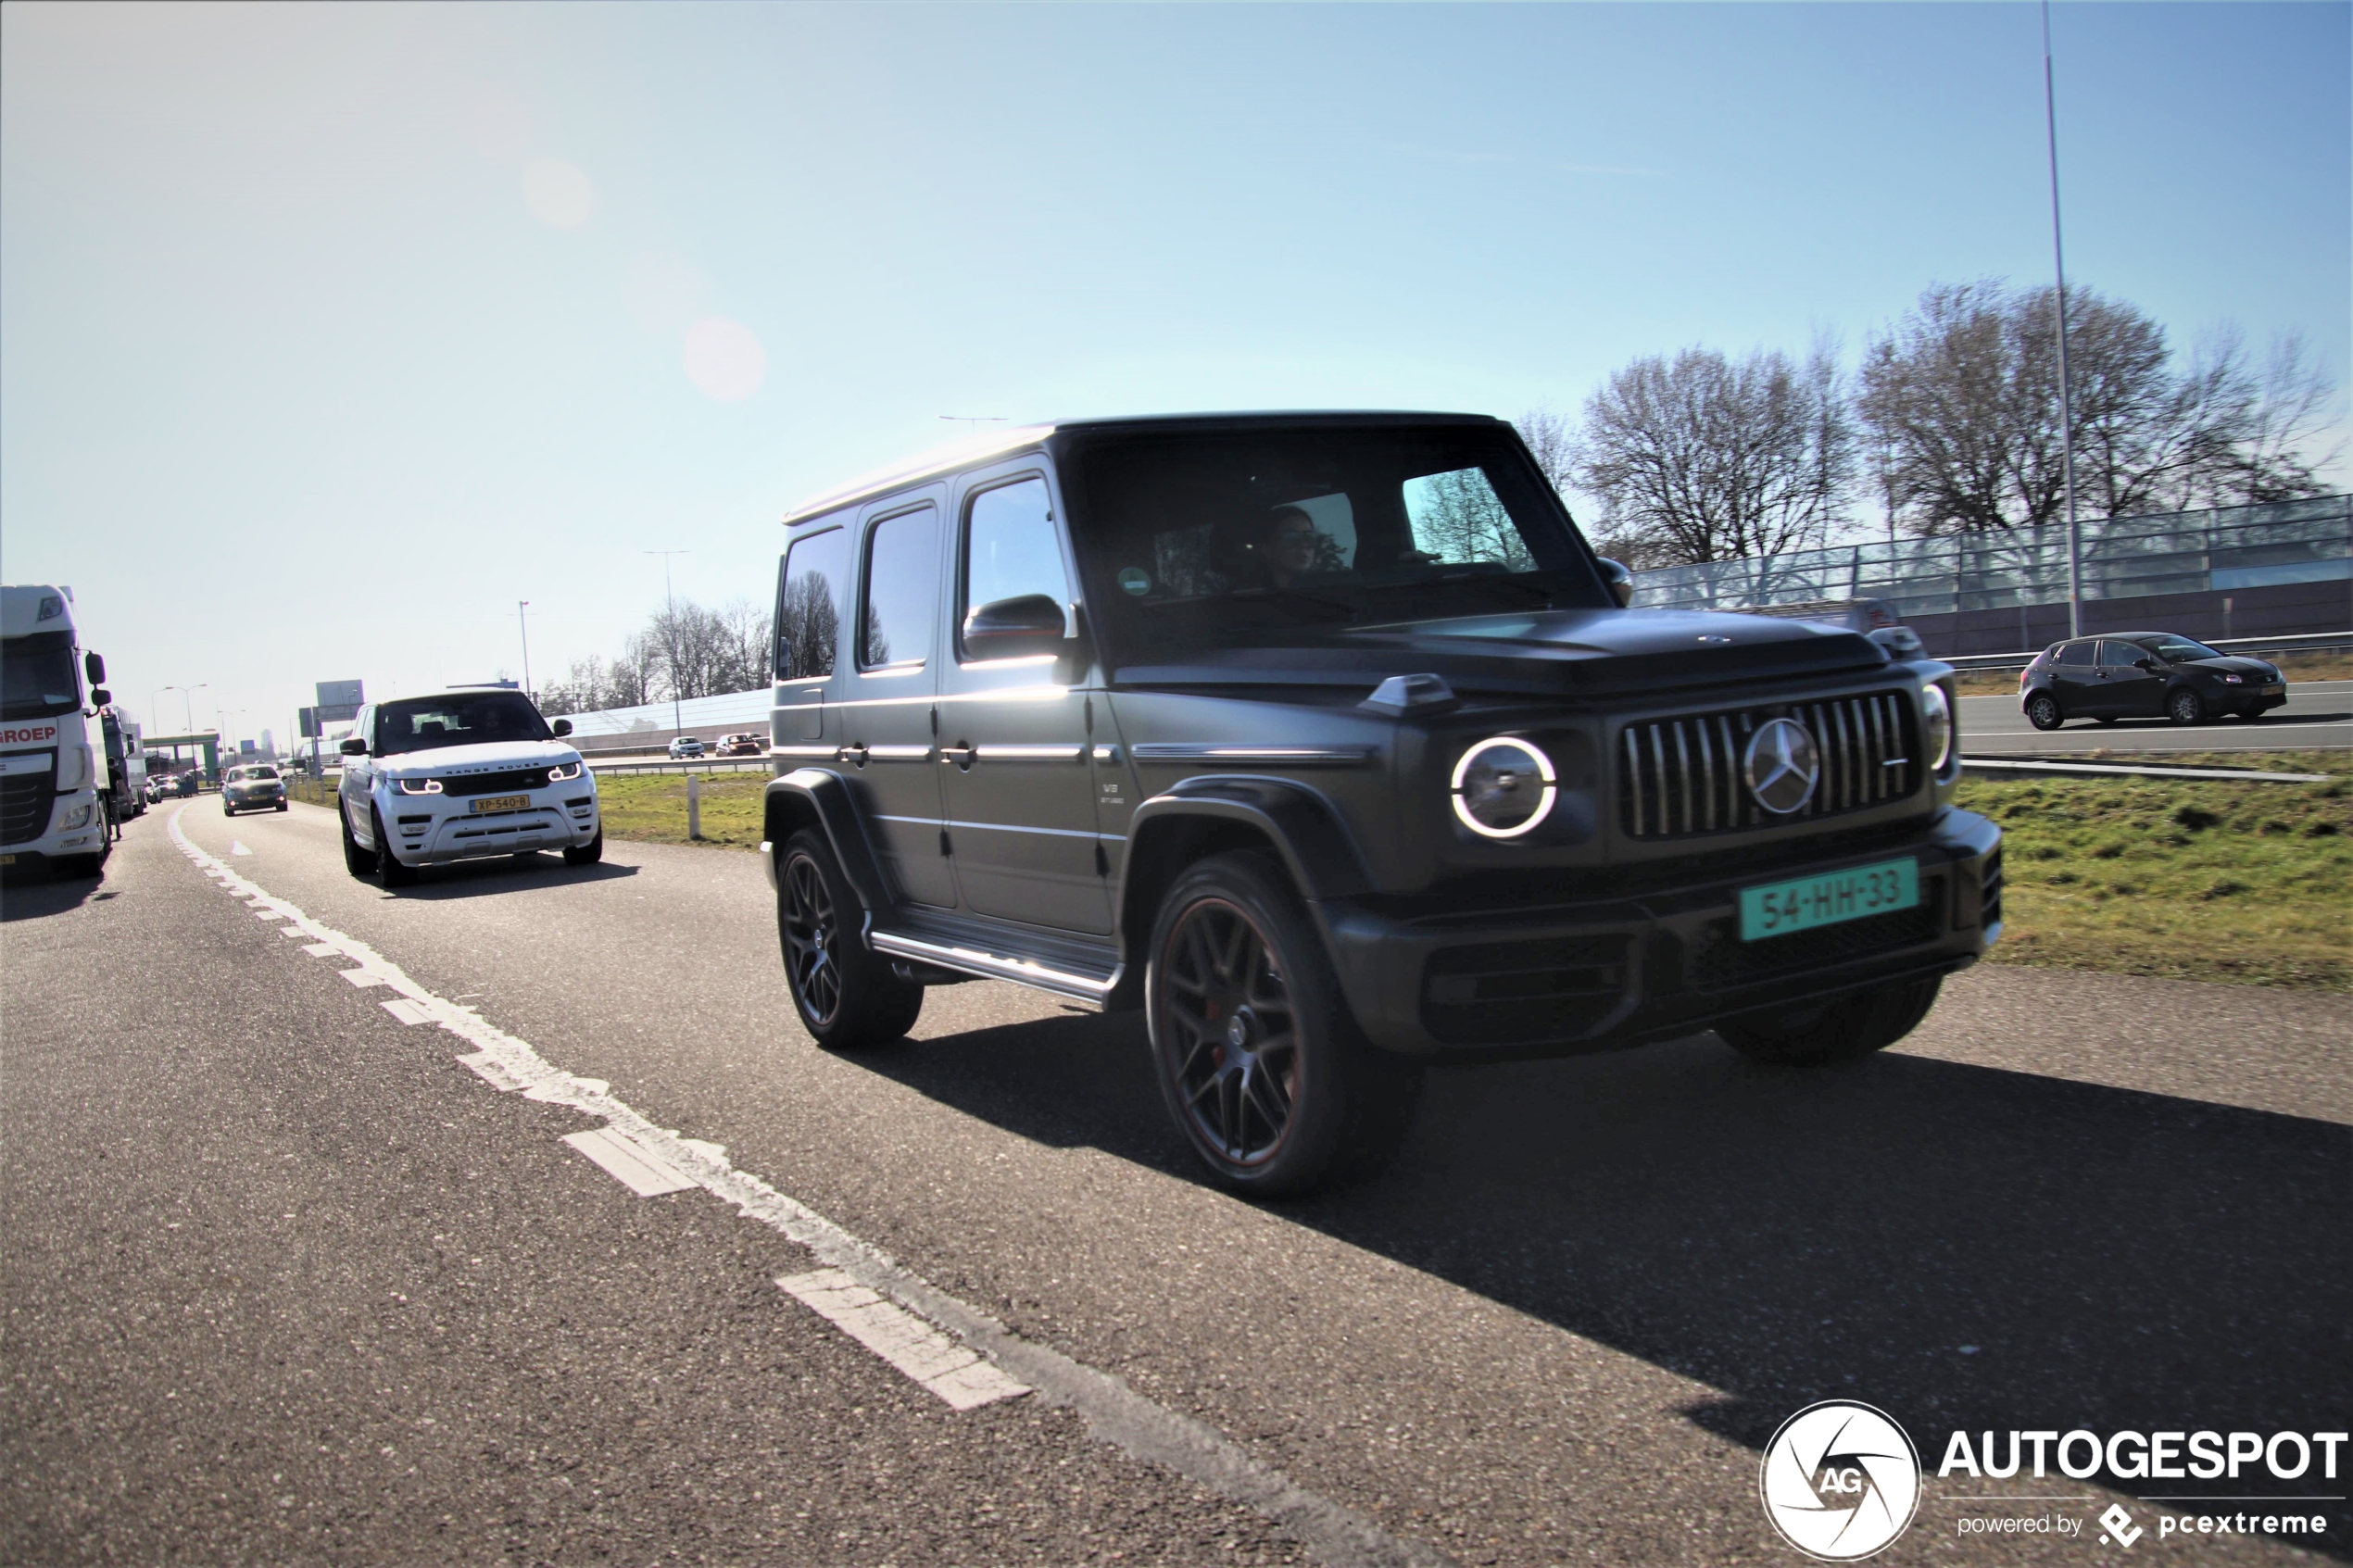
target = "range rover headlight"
x: 419, y: 786
x: 1936, y: 726
x: 562, y: 772
x: 1503, y: 787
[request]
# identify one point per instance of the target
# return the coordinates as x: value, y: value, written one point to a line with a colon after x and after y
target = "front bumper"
x: 1605, y: 973
x: 434, y: 834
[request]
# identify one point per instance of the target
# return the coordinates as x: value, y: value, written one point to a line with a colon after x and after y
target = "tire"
x: 1840, y: 1030
x: 357, y: 861
x: 847, y: 997
x: 281, y: 805
x: 390, y: 872
x: 586, y: 854
x: 1259, y: 1059
x: 2185, y: 706
x: 2042, y: 711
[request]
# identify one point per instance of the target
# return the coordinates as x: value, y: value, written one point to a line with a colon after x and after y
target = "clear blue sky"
x: 327, y: 333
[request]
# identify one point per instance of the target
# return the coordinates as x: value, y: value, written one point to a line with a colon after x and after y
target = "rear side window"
x: 902, y: 591
x: 1010, y: 549
x: 809, y: 600
x: 2076, y: 653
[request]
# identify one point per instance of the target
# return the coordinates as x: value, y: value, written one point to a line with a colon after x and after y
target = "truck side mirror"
x: 353, y: 746
x: 1030, y: 623
x: 100, y: 696
x: 560, y: 727
x: 1620, y: 581
x: 94, y: 667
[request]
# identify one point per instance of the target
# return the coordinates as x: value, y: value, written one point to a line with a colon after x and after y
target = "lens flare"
x: 723, y: 359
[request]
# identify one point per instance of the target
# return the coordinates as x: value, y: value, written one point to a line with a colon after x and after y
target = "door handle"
x: 854, y: 754
x: 962, y: 755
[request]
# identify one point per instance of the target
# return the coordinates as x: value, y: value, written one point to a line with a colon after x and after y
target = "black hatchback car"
x: 2144, y: 675
x: 1328, y: 743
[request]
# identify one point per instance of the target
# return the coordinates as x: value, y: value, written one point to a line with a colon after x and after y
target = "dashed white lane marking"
x: 237, y: 848
x: 407, y: 1011
x: 363, y: 978
x: 639, y: 1168
x: 316, y: 949
x: 954, y: 1372
x: 1337, y: 1536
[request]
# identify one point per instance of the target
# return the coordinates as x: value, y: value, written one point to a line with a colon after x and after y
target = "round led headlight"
x: 1936, y: 726
x: 1503, y: 787
x: 419, y: 786
x: 563, y: 772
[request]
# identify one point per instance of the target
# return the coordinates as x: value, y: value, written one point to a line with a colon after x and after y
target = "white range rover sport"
x: 463, y: 775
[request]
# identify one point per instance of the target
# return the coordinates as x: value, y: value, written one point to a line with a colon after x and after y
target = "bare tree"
x: 1552, y: 440
x: 1961, y: 400
x: 808, y: 628
x: 1699, y: 458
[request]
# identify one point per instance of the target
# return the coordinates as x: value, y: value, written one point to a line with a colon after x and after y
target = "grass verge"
x: 651, y: 808
x: 2248, y: 884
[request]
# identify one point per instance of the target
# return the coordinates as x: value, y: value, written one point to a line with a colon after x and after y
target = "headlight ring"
x: 563, y: 772
x: 1936, y: 723
x: 418, y: 786
x: 1503, y: 787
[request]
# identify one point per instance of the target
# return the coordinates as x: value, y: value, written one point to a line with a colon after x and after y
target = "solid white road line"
x: 1337, y: 1536
x: 641, y: 1171
x: 954, y: 1372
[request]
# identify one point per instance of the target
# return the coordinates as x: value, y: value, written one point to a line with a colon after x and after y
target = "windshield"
x: 249, y: 775
x: 2179, y: 650
x: 37, y: 676
x: 1193, y: 539
x: 421, y: 723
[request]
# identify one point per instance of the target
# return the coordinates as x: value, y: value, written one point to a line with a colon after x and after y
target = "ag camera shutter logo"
x: 1840, y: 1480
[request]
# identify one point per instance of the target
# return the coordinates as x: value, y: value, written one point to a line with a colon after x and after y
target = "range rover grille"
x: 1679, y: 777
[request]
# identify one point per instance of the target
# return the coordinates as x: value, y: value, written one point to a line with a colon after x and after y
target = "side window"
x: 902, y: 591
x: 2120, y: 655
x: 1457, y: 518
x: 1010, y: 549
x: 2076, y: 653
x: 809, y: 604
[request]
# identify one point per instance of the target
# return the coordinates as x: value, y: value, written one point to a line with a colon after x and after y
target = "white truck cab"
x: 50, y: 771
x: 460, y: 775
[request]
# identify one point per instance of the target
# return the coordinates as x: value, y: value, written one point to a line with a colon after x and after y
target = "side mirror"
x: 353, y: 746
x: 99, y: 695
x: 1031, y: 623
x: 1621, y: 582
x: 562, y: 727
x: 94, y: 667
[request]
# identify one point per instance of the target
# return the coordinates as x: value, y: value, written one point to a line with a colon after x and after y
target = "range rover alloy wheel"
x: 2042, y: 711
x: 1259, y: 1061
x: 846, y: 996
x: 1840, y: 1030
x: 2185, y: 706
x: 390, y: 872
x: 357, y: 861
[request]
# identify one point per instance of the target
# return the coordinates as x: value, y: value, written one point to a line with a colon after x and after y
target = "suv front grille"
x: 494, y: 783
x: 1678, y: 777
x: 25, y: 799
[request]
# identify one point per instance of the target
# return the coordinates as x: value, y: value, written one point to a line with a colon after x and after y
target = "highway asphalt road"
x: 2319, y: 715
x: 287, y: 1283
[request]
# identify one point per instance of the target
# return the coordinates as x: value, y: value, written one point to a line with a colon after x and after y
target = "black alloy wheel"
x: 357, y: 861
x: 2042, y: 711
x: 1260, y: 1062
x: 390, y: 872
x: 846, y: 996
x: 2185, y: 706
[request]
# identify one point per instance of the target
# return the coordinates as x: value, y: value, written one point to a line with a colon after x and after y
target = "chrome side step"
x: 1088, y: 990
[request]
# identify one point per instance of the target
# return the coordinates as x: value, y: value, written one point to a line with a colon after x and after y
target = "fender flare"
x: 1305, y: 828
x: 818, y: 795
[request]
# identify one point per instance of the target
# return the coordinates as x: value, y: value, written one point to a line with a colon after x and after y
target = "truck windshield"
x: 421, y: 723
x: 1187, y: 540
x: 37, y: 676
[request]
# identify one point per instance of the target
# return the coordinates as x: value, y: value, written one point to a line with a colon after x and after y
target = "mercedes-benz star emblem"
x: 1781, y: 766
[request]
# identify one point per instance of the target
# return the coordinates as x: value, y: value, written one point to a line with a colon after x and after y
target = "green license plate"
x: 1779, y: 907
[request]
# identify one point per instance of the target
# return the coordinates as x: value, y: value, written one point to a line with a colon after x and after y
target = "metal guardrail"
x: 2305, y: 642
x: 687, y: 765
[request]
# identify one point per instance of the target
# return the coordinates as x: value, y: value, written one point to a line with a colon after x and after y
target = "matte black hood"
x: 2234, y: 664
x: 1588, y: 652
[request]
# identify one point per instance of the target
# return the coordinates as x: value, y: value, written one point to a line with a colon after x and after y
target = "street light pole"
x: 2067, y: 410
x: 153, y: 698
x: 187, y: 708
x: 669, y: 604
x: 524, y: 620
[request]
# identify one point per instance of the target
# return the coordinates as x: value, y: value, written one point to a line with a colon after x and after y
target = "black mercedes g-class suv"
x: 1327, y: 741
